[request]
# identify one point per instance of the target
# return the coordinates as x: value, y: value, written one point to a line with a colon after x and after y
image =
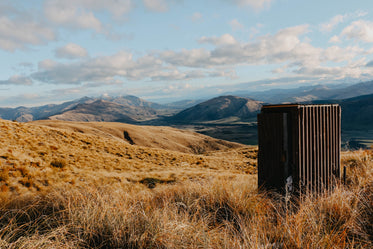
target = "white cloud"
x: 97, y: 69
x: 188, y: 58
x: 256, y: 4
x: 71, y: 15
x: 287, y: 47
x: 285, y: 41
x: 284, y: 45
x: 335, y: 39
x: 156, y: 5
x: 117, y: 8
x: 17, y: 80
x: 339, y: 54
x: 338, y: 19
x: 223, y: 40
x: 359, y: 30
x: 47, y: 64
x: 71, y: 51
x: 82, y: 14
x: 106, y: 69
x: 329, y: 26
x: 19, y: 32
x: 337, y: 72
x: 236, y: 25
x: 21, y: 27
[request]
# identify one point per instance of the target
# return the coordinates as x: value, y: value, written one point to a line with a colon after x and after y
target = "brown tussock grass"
x: 39, y: 157
x: 220, y: 213
x: 113, y: 195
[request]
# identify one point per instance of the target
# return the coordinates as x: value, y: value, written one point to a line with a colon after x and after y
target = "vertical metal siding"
x: 310, y: 138
x: 320, y: 141
x: 336, y: 173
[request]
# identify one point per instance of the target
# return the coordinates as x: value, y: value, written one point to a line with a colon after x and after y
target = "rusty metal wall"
x: 302, y: 142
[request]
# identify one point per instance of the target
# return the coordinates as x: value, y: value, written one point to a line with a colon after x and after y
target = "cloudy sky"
x: 162, y: 50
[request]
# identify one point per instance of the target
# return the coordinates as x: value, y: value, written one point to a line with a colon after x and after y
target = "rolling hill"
x: 38, y: 155
x: 358, y: 112
x: 220, y: 109
x: 148, y: 136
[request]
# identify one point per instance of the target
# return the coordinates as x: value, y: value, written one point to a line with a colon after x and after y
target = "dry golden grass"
x: 223, y: 213
x: 148, y: 136
x: 35, y: 157
x: 215, y: 206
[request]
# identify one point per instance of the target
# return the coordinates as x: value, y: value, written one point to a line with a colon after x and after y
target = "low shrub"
x: 57, y: 163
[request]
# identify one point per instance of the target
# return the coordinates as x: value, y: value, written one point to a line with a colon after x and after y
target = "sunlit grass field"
x: 67, y: 189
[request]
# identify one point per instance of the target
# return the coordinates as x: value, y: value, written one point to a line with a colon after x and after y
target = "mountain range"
x: 104, y: 110
x: 357, y: 111
x: 310, y: 93
x: 219, y: 109
x: 122, y: 109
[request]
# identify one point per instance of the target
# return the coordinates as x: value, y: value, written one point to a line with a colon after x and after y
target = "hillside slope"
x: 357, y: 112
x: 149, y: 136
x: 220, y: 108
x: 35, y: 157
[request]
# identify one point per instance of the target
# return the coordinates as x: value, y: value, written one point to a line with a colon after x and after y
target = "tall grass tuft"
x: 220, y: 213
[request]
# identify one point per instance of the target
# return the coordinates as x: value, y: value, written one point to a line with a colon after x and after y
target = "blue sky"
x: 163, y: 50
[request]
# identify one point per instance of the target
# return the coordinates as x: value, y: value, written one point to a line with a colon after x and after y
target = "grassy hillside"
x: 148, y: 136
x: 34, y: 156
x: 62, y: 188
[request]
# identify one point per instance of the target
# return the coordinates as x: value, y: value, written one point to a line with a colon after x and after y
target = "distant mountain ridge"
x: 25, y: 114
x: 122, y: 109
x: 357, y: 112
x: 130, y: 100
x: 310, y: 93
x: 102, y: 110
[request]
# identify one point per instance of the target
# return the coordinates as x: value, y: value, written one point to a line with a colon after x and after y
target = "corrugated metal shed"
x: 299, y: 147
